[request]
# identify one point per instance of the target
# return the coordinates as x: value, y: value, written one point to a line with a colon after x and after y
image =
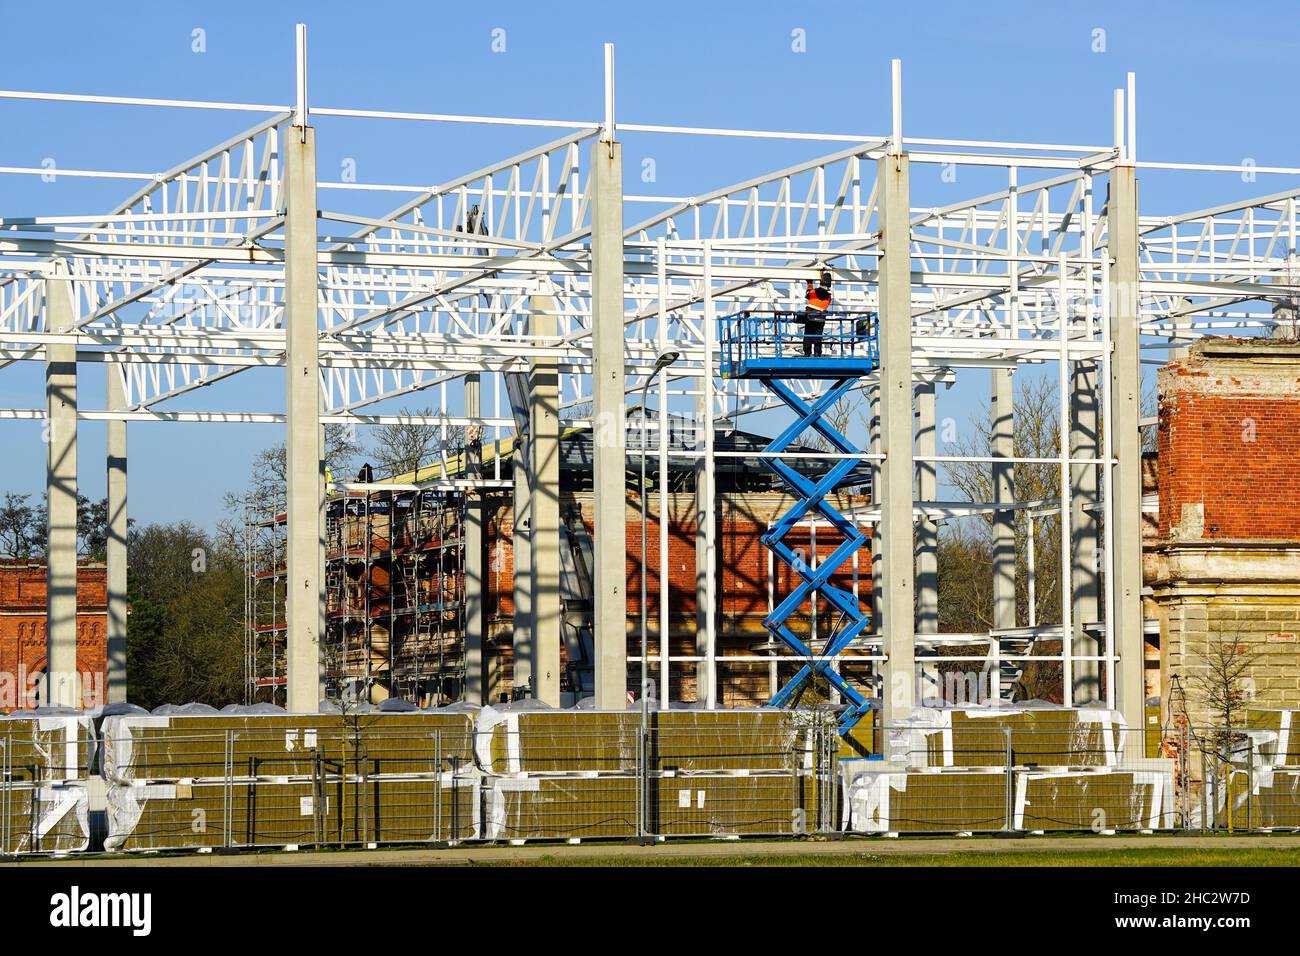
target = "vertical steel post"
x: 665, y: 608
x: 877, y: 555
x: 1066, y: 509
x: 1011, y: 783
x: 706, y: 542
x: 521, y: 640
x: 927, y: 530
x: 476, y: 690
x: 643, y: 555
x: 1002, y: 445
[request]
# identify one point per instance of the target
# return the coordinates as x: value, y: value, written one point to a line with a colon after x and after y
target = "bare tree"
x: 1150, y: 408
x: 1036, y: 435
x: 849, y: 410
x: 265, y: 495
x: 1220, y: 682
x: 406, y: 446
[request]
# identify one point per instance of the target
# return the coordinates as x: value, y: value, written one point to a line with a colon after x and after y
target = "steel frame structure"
x: 186, y: 285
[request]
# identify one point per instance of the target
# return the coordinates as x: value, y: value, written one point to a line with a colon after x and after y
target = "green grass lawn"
x: 1150, y: 856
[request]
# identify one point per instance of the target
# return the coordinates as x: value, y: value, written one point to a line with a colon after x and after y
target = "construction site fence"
x: 629, y: 780
x: 239, y: 789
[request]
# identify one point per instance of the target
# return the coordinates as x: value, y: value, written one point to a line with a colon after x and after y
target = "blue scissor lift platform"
x: 770, y: 347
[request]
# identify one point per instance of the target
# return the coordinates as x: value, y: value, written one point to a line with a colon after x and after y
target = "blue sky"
x: 1216, y: 84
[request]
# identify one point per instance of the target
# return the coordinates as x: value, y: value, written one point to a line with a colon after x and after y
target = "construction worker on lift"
x: 818, y: 298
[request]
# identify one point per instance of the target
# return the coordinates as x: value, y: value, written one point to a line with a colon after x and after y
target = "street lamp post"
x: 664, y: 359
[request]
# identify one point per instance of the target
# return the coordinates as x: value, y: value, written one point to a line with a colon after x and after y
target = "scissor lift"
x: 770, y: 347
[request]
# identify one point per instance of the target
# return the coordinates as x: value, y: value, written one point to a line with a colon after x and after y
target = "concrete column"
x: 304, y: 451
x: 522, y: 624
x: 476, y: 689
x: 544, y: 480
x: 1002, y: 445
x: 1085, y: 524
x: 61, y: 686
x: 927, y: 532
x: 607, y: 389
x: 117, y: 530
x: 898, y: 537
x: 1126, y: 442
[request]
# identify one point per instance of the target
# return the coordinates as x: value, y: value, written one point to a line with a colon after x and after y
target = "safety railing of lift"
x: 755, y: 335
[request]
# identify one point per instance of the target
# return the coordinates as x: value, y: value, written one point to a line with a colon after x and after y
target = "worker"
x: 818, y: 297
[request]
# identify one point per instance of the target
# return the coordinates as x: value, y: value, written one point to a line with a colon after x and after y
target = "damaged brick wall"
x: 1227, y: 558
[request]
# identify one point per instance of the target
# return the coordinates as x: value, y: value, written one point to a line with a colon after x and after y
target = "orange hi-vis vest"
x: 819, y: 299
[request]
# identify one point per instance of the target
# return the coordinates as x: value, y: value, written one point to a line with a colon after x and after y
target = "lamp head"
x: 664, y: 359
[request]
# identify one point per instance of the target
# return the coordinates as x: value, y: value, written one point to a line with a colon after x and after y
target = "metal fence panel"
x: 628, y: 776
x: 268, y: 789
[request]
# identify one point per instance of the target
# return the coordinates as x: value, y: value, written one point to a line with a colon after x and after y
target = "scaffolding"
x: 394, y: 586
x: 264, y: 605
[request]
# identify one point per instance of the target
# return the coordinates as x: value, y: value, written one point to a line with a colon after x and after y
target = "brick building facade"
x: 22, y: 630
x: 1225, y: 567
x: 747, y: 579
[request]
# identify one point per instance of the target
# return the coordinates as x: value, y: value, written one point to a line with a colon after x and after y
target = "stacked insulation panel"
x: 232, y: 779
x: 1008, y: 736
x: 575, y: 774
x: 1275, y: 801
x: 1263, y: 780
x: 1007, y: 768
x: 878, y: 799
x: 45, y: 760
x: 1280, y: 745
x: 1137, y: 796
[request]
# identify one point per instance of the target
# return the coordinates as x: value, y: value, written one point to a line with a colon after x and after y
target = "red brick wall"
x: 22, y: 624
x: 742, y: 558
x: 742, y: 586
x: 1229, y: 441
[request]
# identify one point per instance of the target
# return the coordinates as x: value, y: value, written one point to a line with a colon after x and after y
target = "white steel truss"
x: 181, y: 286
